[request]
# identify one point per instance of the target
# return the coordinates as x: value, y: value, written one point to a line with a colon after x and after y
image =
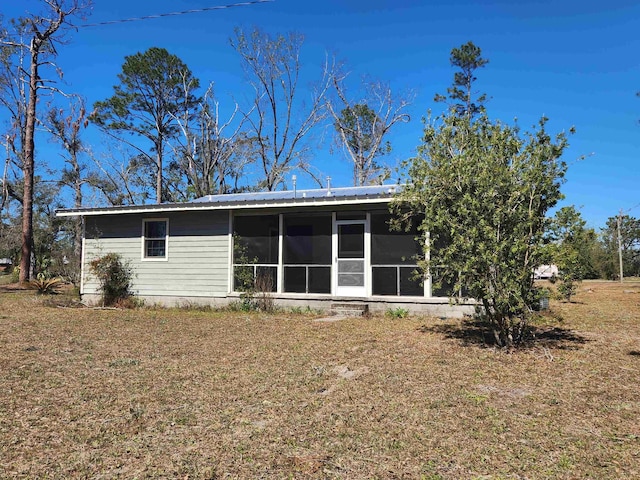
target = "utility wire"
x: 173, y: 14
x: 632, y: 208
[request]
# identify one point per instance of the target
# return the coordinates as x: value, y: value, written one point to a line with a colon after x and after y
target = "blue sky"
x: 575, y: 62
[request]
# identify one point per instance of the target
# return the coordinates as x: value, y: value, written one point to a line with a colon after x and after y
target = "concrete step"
x: 349, y: 309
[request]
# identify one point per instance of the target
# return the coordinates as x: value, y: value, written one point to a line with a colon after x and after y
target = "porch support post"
x: 280, y: 271
x: 368, y: 273
x: 334, y: 254
x: 83, y: 254
x: 230, y: 251
x: 427, y: 274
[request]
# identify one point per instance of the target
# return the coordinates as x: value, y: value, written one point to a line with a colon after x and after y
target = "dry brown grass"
x: 175, y: 393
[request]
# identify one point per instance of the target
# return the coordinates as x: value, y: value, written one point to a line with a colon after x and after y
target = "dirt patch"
x: 14, y: 287
x: 330, y: 318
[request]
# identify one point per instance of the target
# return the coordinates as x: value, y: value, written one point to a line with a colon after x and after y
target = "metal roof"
x: 285, y: 198
x: 293, y: 194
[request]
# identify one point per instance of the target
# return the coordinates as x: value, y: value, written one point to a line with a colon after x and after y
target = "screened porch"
x: 340, y: 254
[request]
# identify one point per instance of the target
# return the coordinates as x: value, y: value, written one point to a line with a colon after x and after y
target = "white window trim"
x: 144, y: 258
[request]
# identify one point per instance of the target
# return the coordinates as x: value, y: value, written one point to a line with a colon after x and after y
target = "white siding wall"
x: 197, y: 264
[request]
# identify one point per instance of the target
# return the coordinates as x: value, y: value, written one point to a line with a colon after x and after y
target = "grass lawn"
x: 5, y: 278
x: 150, y: 393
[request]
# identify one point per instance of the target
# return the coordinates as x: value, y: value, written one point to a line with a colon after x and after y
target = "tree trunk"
x: 28, y: 169
x: 159, y: 174
x: 77, y: 234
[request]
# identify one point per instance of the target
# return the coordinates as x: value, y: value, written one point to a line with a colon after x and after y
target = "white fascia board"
x: 191, y: 207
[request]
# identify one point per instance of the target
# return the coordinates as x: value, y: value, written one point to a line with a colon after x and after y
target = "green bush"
x: 242, y: 305
x: 397, y: 312
x: 15, y: 274
x: 115, y: 277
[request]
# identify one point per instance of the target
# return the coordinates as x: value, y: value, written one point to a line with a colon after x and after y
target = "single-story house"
x: 315, y: 248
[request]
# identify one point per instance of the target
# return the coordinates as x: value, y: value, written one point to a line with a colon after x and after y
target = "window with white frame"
x: 155, y: 233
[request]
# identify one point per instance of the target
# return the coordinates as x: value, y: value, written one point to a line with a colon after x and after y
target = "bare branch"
x: 280, y: 122
x: 212, y: 160
x: 362, y: 125
x: 42, y: 32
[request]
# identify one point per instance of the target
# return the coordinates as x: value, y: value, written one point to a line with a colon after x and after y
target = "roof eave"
x: 204, y: 206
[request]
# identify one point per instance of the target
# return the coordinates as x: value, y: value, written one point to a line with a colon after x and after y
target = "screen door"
x: 350, y: 259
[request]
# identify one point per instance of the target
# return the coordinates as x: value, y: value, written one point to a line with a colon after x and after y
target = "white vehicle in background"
x: 545, y: 272
x: 5, y: 264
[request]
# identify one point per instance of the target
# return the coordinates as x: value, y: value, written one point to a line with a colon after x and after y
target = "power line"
x: 173, y: 14
x: 633, y: 208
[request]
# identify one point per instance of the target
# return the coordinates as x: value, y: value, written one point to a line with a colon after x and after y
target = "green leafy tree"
x: 571, y: 248
x: 484, y: 189
x: 630, y: 242
x: 155, y: 89
x: 591, y: 250
x: 468, y: 58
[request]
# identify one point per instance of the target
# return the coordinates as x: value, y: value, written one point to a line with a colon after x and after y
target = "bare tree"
x: 114, y: 178
x: 9, y: 177
x: 212, y: 160
x: 65, y: 128
x: 13, y: 97
x: 5, y: 178
x: 280, y: 121
x: 362, y: 125
x: 37, y: 35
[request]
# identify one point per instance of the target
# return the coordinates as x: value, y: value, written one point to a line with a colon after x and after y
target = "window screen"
x: 307, y: 240
x: 393, y: 258
x: 441, y: 287
x: 397, y: 280
x: 392, y: 247
x: 351, y: 240
x: 307, y: 253
x: 255, y: 239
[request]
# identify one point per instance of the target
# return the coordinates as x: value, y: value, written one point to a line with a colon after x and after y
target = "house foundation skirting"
x: 438, y: 307
x: 433, y: 306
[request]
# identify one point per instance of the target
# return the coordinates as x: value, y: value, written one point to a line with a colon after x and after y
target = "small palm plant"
x: 47, y: 285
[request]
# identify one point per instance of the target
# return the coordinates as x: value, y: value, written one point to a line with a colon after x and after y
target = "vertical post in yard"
x: 620, y: 246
